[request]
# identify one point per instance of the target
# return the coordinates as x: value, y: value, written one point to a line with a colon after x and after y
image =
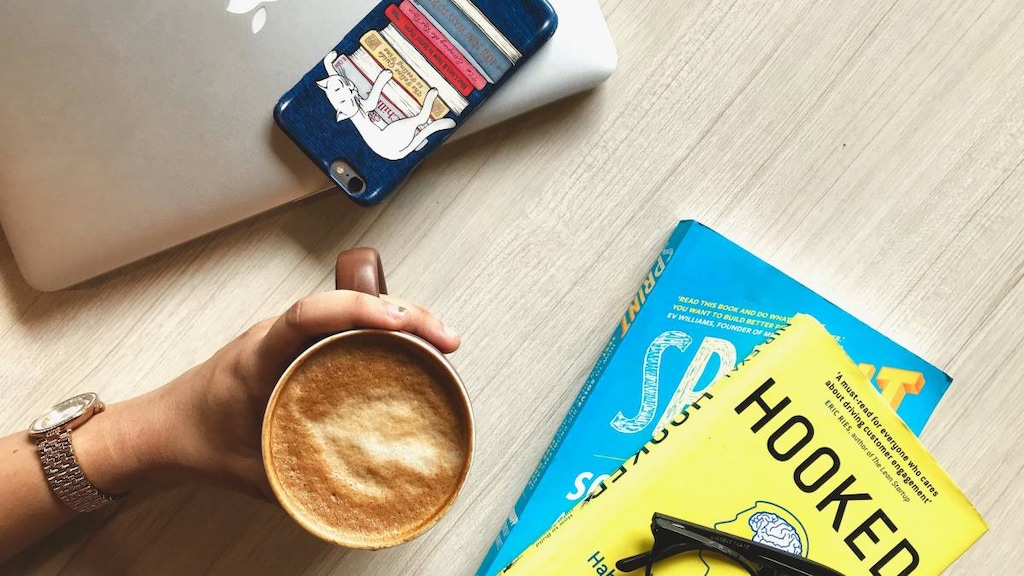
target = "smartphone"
x: 402, y: 81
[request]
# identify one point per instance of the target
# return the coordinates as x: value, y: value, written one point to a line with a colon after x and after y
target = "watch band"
x: 65, y: 477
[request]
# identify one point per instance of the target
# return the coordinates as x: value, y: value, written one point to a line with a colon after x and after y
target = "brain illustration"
x: 770, y: 529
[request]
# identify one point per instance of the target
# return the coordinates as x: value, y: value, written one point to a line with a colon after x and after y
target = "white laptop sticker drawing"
x: 393, y: 141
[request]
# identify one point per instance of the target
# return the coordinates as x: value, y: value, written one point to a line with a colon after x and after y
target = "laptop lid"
x: 128, y: 128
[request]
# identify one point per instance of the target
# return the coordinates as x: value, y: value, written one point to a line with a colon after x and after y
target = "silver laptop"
x: 130, y: 127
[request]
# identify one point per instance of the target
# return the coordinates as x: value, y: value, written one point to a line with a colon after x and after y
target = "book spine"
x: 469, y: 36
x: 443, y: 44
x: 433, y: 55
x: 457, y: 102
x: 404, y: 75
x: 404, y: 103
x: 647, y: 285
x: 418, y: 4
x: 489, y: 30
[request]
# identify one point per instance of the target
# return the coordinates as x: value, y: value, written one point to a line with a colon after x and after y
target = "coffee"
x: 369, y: 439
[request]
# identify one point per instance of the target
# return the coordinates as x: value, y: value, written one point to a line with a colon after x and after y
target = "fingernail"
x: 397, y: 312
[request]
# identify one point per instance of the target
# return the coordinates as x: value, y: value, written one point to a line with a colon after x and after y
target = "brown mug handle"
x: 360, y: 269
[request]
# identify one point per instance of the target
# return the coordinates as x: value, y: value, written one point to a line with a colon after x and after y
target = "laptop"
x: 130, y: 127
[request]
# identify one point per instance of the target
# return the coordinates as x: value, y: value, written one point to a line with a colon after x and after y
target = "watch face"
x: 64, y: 412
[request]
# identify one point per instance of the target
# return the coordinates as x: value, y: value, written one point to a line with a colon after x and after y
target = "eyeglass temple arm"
x: 640, y: 560
x: 798, y: 567
x: 791, y: 563
x: 632, y: 563
x: 694, y: 543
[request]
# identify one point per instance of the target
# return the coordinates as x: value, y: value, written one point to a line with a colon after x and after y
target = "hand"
x: 206, y: 424
x: 203, y: 426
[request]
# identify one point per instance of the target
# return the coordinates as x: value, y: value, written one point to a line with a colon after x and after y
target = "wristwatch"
x: 52, y: 435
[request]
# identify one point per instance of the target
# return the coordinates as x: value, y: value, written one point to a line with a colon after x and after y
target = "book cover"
x: 795, y: 450
x: 704, y: 304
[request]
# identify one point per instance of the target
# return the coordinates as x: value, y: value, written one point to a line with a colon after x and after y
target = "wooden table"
x: 873, y: 150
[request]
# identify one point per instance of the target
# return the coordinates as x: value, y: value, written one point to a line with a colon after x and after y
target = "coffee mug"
x: 368, y: 436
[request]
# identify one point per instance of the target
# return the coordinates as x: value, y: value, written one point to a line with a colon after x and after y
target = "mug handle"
x: 360, y: 270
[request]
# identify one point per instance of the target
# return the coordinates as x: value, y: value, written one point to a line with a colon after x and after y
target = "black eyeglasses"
x: 673, y: 536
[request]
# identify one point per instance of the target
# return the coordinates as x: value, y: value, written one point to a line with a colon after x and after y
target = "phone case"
x: 403, y: 80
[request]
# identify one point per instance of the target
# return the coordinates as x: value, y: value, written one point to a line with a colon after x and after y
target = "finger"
x: 321, y: 314
x: 427, y: 326
x: 258, y: 330
x: 326, y: 313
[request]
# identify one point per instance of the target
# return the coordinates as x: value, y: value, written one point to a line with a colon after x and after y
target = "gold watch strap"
x: 66, y: 479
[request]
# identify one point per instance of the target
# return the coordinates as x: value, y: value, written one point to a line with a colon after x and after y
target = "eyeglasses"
x: 673, y: 536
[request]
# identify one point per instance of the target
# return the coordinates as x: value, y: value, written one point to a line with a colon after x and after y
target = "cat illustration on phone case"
x: 394, y: 141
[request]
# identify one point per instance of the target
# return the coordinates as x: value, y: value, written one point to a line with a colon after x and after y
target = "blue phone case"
x: 403, y: 80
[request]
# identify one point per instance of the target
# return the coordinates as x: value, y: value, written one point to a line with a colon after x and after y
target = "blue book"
x: 702, y: 307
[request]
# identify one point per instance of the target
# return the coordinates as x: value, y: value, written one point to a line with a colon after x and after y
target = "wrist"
x: 188, y: 430
x: 125, y: 448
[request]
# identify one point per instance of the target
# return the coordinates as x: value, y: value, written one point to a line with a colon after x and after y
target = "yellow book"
x: 795, y: 450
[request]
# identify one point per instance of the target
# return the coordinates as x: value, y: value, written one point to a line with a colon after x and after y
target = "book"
x: 702, y: 305
x: 438, y: 60
x: 396, y: 102
x: 415, y: 60
x: 795, y: 450
x: 452, y: 40
x: 385, y: 57
x: 489, y: 30
x: 443, y: 44
x: 468, y: 34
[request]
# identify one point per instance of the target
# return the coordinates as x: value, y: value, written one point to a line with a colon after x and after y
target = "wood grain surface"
x: 873, y: 150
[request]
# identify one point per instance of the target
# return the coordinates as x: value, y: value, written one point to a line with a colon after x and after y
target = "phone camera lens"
x: 346, y: 177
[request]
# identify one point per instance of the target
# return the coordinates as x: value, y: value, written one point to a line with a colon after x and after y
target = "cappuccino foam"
x: 369, y: 442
